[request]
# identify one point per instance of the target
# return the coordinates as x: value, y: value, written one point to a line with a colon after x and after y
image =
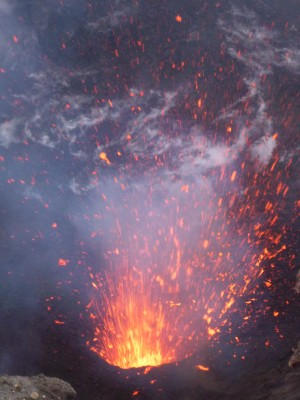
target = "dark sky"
x: 169, y: 94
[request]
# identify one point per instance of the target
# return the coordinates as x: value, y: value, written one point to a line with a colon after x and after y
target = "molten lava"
x: 134, y: 330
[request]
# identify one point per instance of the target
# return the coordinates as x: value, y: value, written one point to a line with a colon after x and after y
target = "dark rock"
x: 34, y: 388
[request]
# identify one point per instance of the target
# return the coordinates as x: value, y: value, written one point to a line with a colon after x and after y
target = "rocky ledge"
x: 34, y: 388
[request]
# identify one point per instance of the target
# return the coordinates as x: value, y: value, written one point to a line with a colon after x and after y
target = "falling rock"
x: 35, y: 388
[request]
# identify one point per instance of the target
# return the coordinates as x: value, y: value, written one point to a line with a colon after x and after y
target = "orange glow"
x: 233, y: 176
x: 185, y: 188
x: 103, y: 157
x: 178, y: 18
x: 63, y: 262
x: 211, y: 332
x: 57, y: 322
x: 132, y: 338
x: 202, y: 368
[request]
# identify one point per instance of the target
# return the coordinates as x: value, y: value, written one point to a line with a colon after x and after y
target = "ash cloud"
x: 6, y: 7
x: 263, y: 149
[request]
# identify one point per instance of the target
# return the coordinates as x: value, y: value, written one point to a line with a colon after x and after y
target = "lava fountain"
x: 177, y: 265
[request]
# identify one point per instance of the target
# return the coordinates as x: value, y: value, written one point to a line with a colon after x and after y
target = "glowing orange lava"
x: 133, y: 333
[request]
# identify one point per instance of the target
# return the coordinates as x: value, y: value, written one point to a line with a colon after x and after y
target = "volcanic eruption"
x: 177, y: 265
x: 150, y: 157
